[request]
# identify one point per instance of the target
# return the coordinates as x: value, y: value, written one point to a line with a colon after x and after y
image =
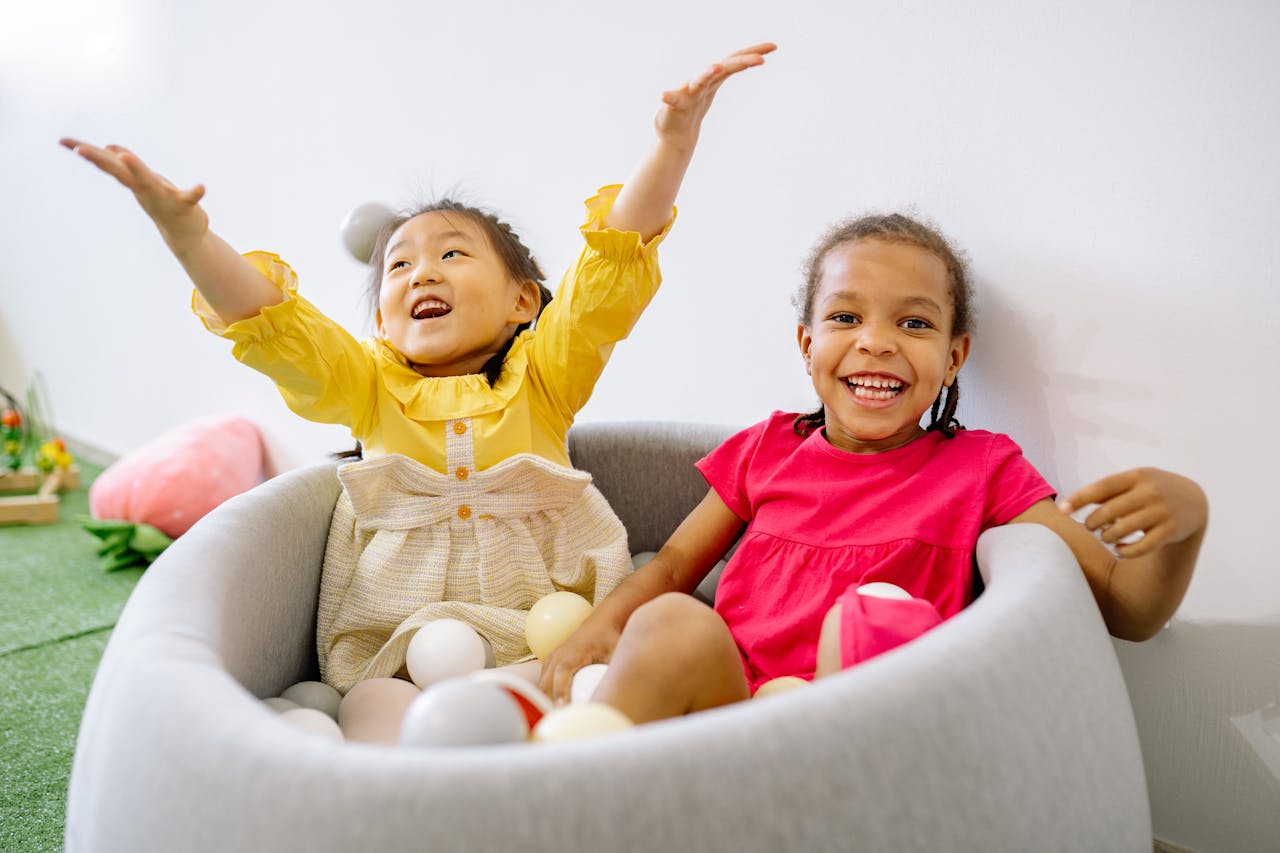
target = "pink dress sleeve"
x: 725, y: 469
x: 1013, y: 483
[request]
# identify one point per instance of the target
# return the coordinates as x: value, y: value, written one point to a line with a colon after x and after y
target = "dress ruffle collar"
x: 437, y: 398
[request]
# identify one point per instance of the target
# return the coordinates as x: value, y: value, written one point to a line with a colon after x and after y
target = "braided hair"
x: 900, y: 229
x: 514, y: 254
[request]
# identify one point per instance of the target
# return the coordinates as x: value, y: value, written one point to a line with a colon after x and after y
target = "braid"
x: 805, y: 424
x: 947, y: 423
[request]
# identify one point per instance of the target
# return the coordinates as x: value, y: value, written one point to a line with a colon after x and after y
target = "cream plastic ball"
x: 552, y: 619
x: 463, y: 712
x: 575, y: 722
x: 311, y: 720
x: 279, y: 705
x: 361, y: 226
x: 880, y: 589
x: 781, y: 684
x: 314, y: 694
x: 373, y: 709
x: 445, y: 648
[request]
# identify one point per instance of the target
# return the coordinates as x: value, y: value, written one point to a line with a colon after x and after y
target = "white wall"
x: 1109, y: 167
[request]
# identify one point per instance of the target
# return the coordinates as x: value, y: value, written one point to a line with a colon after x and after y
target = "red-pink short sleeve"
x: 1013, y: 483
x: 725, y: 468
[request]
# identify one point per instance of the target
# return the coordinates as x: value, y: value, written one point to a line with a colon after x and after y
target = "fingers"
x: 1099, y: 492
x: 105, y: 159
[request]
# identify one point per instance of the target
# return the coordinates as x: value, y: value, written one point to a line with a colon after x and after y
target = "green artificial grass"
x: 57, y: 608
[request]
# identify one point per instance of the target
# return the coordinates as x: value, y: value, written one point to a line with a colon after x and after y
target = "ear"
x: 806, y: 341
x: 528, y: 301
x: 377, y: 321
x: 959, y: 352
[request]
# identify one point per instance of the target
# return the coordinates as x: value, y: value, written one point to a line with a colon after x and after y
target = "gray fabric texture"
x: 1007, y: 728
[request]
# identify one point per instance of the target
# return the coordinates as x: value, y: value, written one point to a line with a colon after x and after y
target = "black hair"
x: 893, y: 228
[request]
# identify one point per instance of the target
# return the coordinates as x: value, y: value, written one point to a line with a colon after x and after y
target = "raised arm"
x: 644, y: 204
x: 228, y: 282
x: 686, y: 558
x: 1139, y: 591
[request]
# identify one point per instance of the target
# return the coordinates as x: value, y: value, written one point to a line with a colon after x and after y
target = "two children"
x: 465, y: 506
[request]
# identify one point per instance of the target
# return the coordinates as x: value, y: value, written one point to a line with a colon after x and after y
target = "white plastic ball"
x: 552, y: 619
x: 311, y: 720
x: 575, y: 722
x: 880, y: 589
x: 279, y: 705
x: 445, y: 648
x: 361, y: 226
x: 585, y: 681
x: 463, y: 712
x: 314, y: 694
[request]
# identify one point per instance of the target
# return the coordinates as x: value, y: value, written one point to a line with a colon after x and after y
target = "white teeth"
x: 874, y: 387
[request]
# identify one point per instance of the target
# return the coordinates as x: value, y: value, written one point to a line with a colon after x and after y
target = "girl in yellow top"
x: 464, y: 505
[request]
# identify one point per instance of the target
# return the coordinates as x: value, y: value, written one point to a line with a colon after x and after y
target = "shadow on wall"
x: 1206, y: 697
x: 1050, y: 414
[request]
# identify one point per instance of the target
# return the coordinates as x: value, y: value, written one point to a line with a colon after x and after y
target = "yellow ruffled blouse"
x: 326, y: 375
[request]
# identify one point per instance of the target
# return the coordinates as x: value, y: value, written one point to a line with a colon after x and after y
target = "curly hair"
x: 900, y: 229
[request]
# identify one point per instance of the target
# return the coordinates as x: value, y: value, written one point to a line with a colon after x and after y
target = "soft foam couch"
x: 1008, y: 728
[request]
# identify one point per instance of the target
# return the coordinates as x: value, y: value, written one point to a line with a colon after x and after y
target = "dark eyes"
x: 452, y: 253
x: 914, y: 324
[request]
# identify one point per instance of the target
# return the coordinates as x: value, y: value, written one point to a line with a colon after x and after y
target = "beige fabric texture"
x: 408, y: 545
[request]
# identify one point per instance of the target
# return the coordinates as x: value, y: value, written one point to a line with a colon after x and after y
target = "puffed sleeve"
x: 598, y: 302
x: 1013, y: 483
x: 322, y: 372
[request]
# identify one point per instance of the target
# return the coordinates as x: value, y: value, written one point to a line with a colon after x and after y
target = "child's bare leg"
x: 530, y: 670
x: 674, y: 656
x: 829, y: 644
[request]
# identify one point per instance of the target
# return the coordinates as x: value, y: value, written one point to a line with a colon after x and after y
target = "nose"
x: 877, y: 338
x: 425, y: 273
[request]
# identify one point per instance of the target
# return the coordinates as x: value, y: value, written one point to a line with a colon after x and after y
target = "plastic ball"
x: 533, y: 702
x: 311, y: 720
x: 373, y: 709
x: 361, y: 226
x: 781, y: 684
x: 585, y: 681
x: 314, y: 694
x: 279, y: 705
x: 445, y: 648
x: 463, y: 712
x: 575, y: 722
x: 552, y: 619
x: 880, y: 589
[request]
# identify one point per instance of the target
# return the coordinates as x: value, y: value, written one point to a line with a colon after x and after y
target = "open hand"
x: 682, y: 111
x: 177, y: 213
x: 1164, y: 507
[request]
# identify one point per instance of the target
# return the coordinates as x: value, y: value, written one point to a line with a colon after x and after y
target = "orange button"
x: 459, y: 427
x: 462, y: 473
x: 464, y: 512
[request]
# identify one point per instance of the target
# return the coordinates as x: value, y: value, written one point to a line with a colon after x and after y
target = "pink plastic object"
x: 171, y: 482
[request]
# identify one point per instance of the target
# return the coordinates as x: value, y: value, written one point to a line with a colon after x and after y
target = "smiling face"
x: 447, y: 302
x: 879, y: 346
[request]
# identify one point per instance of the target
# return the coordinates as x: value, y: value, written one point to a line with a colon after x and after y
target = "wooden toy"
x: 54, y: 470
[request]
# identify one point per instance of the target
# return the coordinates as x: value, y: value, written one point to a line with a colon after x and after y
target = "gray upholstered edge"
x: 1007, y: 728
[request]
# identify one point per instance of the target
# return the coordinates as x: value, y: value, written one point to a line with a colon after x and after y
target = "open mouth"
x: 429, y: 309
x: 870, y: 387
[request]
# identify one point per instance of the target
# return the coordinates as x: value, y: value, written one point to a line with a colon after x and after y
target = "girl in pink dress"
x: 837, y: 508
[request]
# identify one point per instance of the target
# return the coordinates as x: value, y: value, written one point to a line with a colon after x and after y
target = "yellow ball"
x: 574, y: 722
x: 781, y: 684
x: 552, y: 619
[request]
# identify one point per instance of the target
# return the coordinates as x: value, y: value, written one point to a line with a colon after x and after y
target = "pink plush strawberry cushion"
x: 171, y: 482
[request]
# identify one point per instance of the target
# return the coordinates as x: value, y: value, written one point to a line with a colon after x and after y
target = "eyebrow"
x: 443, y: 235
x: 908, y: 302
